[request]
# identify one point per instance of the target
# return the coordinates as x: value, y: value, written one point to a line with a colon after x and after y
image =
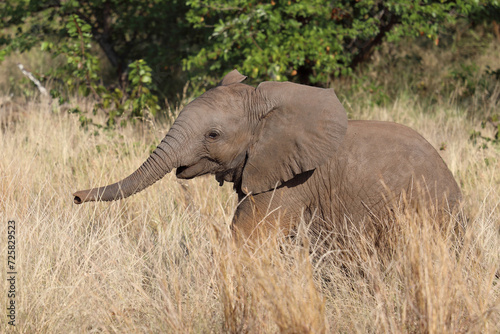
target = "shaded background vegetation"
x: 134, y: 56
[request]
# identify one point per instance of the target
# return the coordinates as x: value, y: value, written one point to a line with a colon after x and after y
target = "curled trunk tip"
x: 77, y: 199
x: 83, y: 196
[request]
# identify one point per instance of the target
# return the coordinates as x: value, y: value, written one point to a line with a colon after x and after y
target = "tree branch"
x: 30, y: 76
x: 102, y: 38
x: 366, y: 49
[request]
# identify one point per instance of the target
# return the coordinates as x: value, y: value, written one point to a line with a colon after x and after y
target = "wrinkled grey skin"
x: 291, y: 152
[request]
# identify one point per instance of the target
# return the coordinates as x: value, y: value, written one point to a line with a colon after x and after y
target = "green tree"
x: 153, y: 30
x: 307, y: 41
x: 311, y: 41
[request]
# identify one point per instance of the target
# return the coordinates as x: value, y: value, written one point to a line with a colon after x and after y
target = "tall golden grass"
x: 163, y: 260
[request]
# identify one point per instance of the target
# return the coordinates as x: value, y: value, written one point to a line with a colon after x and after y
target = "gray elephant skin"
x: 292, y: 154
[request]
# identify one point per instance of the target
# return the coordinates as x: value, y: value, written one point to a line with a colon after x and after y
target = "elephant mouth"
x: 185, y: 172
x: 188, y: 172
x: 180, y: 170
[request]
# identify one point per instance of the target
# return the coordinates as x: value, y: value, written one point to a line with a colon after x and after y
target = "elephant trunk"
x: 160, y: 162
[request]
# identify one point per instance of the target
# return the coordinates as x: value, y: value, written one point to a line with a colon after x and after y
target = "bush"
x: 312, y: 41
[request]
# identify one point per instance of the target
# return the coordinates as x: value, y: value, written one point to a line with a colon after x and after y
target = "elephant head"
x: 257, y: 138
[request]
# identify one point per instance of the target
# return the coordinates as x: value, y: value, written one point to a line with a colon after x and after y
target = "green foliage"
x: 140, y: 98
x: 462, y: 70
x: 311, y: 41
x: 147, y: 43
x: 82, y: 67
x: 81, y: 73
x: 125, y: 31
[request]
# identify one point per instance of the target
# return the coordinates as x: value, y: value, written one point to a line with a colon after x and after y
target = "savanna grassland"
x: 162, y: 261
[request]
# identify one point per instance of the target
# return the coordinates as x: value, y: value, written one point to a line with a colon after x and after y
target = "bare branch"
x: 30, y: 76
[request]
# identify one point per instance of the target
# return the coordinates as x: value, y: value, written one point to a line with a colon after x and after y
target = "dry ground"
x: 161, y: 261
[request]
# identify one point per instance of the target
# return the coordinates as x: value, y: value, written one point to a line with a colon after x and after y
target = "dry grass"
x: 162, y: 261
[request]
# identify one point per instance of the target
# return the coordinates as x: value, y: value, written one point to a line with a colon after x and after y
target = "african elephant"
x: 291, y: 153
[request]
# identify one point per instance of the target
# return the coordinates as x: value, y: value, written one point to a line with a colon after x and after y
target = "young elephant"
x: 291, y: 153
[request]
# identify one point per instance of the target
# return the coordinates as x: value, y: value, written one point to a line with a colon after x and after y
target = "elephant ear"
x: 232, y: 77
x: 298, y: 129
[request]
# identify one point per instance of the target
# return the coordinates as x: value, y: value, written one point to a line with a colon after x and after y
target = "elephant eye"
x: 213, y: 135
